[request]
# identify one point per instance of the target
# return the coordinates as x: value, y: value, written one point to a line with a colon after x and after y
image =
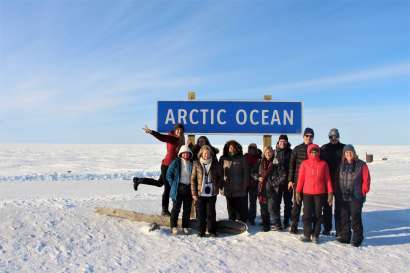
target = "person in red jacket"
x: 315, y: 184
x: 175, y: 139
x: 352, y: 185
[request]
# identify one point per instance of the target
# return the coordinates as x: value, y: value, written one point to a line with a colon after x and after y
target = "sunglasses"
x: 309, y: 136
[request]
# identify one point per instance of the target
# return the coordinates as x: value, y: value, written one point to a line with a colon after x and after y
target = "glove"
x: 330, y: 199
x: 298, y: 198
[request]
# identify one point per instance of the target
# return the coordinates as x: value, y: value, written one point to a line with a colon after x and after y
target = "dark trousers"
x: 237, y: 208
x: 184, y: 198
x: 265, y: 216
x: 295, y: 214
x: 274, y: 200
x: 287, y: 200
x: 338, y: 222
x: 253, y: 196
x: 312, y: 212
x: 327, y: 217
x: 351, y: 219
x: 207, y: 214
x: 159, y: 183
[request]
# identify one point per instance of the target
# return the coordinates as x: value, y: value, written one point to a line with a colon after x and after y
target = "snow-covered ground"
x: 48, y: 194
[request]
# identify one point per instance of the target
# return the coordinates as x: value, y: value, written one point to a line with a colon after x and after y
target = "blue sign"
x: 226, y: 117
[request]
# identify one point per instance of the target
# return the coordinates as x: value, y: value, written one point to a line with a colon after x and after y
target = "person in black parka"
x: 298, y: 155
x: 282, y: 154
x: 332, y: 153
x: 253, y: 159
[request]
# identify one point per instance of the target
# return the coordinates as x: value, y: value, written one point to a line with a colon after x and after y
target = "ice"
x: 48, y: 222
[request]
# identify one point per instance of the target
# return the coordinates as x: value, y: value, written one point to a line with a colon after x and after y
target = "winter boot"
x: 165, y: 213
x: 293, y: 229
x: 315, y: 240
x: 136, y: 181
x: 174, y: 231
x: 303, y: 238
x: 186, y: 231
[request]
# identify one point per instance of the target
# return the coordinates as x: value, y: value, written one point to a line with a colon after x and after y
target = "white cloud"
x: 389, y: 71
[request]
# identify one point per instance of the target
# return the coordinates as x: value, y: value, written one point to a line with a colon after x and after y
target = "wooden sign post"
x: 191, y: 142
x: 191, y: 138
x: 267, y: 139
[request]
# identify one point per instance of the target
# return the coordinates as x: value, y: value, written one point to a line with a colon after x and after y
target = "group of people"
x: 308, y: 176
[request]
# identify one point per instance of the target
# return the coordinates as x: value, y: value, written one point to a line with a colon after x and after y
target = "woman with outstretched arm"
x: 174, y: 140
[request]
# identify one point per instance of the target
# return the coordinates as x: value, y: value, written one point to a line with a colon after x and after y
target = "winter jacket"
x: 332, y: 154
x: 198, y: 174
x: 314, y: 175
x: 277, y: 180
x: 298, y: 155
x: 283, y: 157
x: 235, y: 172
x: 173, y: 144
x: 354, y: 180
x: 253, y: 162
x: 174, y: 172
x: 265, y: 170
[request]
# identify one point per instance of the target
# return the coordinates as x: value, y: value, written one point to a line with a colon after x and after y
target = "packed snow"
x: 48, y: 194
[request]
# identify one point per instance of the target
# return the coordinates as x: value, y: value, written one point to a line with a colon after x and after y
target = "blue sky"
x: 92, y: 71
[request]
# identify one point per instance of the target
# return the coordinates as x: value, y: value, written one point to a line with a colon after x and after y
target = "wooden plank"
x: 223, y: 226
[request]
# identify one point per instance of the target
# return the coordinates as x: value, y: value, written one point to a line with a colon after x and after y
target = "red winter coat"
x: 314, y: 175
x: 172, y: 146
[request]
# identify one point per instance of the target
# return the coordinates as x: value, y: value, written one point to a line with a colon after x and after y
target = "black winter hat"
x: 285, y: 137
x: 179, y: 125
x: 334, y: 132
x: 309, y: 131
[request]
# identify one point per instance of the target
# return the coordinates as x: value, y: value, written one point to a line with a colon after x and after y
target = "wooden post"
x: 267, y: 139
x: 191, y: 138
x: 191, y: 142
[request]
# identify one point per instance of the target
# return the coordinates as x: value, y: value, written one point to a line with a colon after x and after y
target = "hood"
x: 310, y: 148
x: 236, y: 144
x: 184, y: 149
x: 349, y: 147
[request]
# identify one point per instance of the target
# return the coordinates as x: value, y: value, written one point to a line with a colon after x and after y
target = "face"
x: 206, y: 154
x: 282, y: 143
x: 308, y: 139
x: 314, y: 152
x: 179, y: 132
x: 268, y: 154
x: 253, y: 151
x: 201, y: 142
x: 232, y: 149
x: 349, y: 156
x: 186, y: 156
x: 334, y: 139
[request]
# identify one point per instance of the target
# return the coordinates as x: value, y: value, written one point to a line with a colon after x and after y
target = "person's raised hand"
x: 147, y: 130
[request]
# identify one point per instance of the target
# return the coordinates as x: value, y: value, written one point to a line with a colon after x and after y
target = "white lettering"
x: 212, y: 117
x: 265, y: 117
x: 182, y: 113
x: 218, y: 117
x: 204, y: 111
x: 288, y: 117
x: 275, y: 118
x: 244, y: 117
x: 170, y: 117
x: 253, y: 122
x: 191, y: 118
